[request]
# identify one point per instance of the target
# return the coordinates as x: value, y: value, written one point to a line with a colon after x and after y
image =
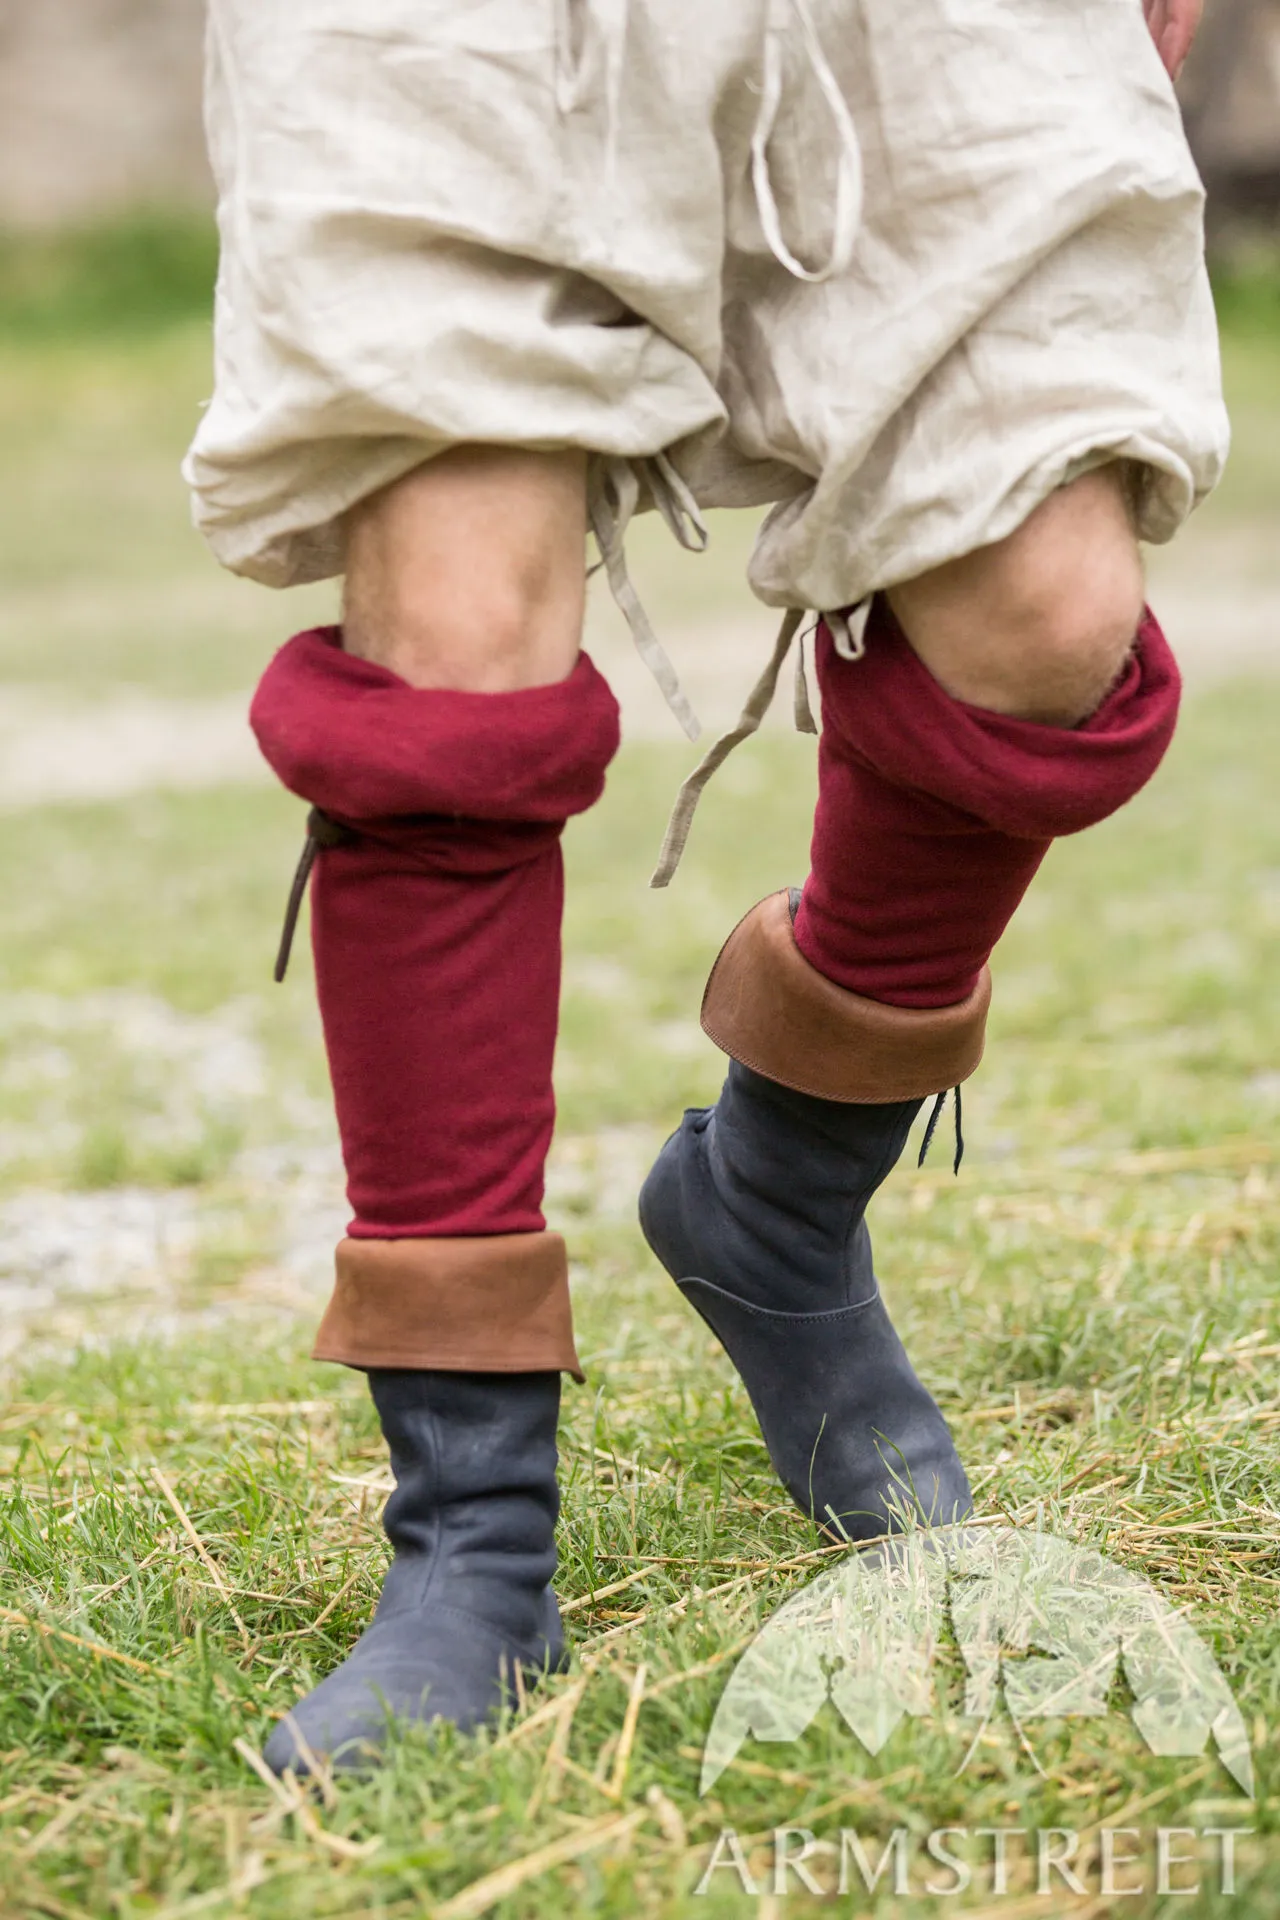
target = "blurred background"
x: 99, y: 110
x: 141, y: 1059
x: 1096, y: 1292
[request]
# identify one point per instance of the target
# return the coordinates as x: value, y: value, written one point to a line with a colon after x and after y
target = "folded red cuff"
x: 359, y: 742
x: 933, y: 815
x: 1028, y: 780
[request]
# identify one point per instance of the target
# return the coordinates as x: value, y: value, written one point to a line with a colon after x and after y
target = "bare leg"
x: 1039, y: 625
x: 469, y: 573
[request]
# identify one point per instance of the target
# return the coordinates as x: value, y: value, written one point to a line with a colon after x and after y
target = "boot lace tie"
x: 932, y: 1128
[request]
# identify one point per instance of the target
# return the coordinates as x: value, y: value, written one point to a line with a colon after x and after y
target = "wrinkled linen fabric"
x: 539, y: 222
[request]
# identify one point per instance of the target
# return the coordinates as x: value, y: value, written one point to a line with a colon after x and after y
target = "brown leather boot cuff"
x: 483, y: 1305
x: 767, y: 1007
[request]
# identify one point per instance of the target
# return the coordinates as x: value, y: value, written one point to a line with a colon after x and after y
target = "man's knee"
x: 469, y: 572
x: 1040, y: 624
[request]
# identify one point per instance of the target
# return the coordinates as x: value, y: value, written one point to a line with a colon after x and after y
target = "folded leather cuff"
x: 768, y: 1008
x: 489, y: 1304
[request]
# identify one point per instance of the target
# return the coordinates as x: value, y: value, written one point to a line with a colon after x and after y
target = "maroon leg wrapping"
x: 933, y: 815
x: 436, y: 930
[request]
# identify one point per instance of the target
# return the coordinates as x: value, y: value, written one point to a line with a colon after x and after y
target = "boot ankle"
x: 476, y: 1501
x: 780, y: 1182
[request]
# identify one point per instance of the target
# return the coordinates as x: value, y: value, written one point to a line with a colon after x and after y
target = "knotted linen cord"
x: 848, y: 629
x: 848, y: 634
x: 585, y: 29
x: 801, y: 706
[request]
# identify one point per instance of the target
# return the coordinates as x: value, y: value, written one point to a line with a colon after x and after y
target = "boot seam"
x: 777, y: 1313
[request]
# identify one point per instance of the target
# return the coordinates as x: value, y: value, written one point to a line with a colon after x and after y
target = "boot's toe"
x: 328, y: 1732
x: 407, y: 1670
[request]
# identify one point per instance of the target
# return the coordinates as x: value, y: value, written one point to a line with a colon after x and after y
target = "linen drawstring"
x: 849, y: 178
x: 591, y: 34
x: 613, y: 494
x: 847, y: 631
x: 759, y: 700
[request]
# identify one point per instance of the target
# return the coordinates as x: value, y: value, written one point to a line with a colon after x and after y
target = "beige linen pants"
x: 901, y: 269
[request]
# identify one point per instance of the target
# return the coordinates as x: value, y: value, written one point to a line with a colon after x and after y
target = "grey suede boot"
x: 467, y: 1597
x: 756, y: 1209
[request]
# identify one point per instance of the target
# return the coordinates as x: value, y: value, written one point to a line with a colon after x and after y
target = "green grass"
x: 1247, y: 294
x: 138, y: 273
x: 1094, y: 1299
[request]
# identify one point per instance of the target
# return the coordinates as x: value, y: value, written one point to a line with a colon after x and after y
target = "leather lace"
x: 321, y: 832
x: 932, y: 1128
